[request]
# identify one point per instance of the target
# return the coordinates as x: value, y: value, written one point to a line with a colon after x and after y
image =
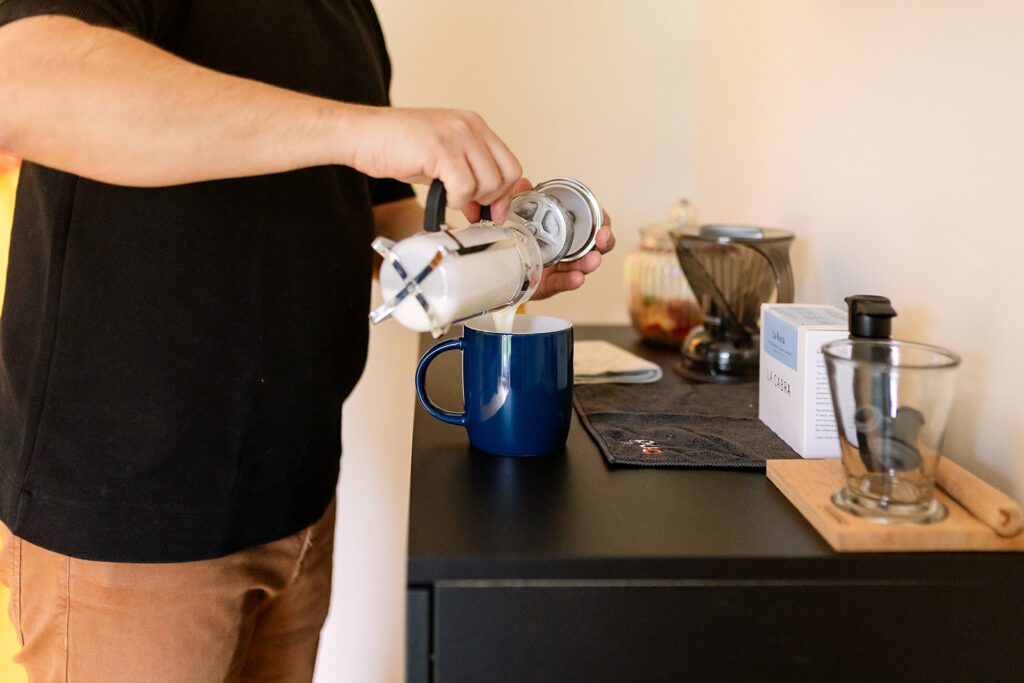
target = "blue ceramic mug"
x: 517, y: 387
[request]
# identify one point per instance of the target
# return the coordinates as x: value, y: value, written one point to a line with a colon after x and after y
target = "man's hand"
x: 564, y: 277
x: 420, y: 145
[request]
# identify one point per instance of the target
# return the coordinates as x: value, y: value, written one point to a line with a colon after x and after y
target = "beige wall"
x: 888, y: 135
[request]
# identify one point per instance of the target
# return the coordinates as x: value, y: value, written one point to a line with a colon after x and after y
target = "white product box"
x: 794, y: 398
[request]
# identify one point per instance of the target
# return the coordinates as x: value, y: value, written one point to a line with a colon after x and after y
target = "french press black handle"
x: 437, y: 201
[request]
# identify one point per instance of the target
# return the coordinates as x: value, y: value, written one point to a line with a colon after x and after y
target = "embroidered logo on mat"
x: 647, y: 446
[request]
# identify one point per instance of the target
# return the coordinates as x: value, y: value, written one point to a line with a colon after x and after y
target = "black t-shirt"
x: 173, y: 360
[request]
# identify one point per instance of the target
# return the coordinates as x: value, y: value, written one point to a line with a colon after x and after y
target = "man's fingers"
x: 522, y: 185
x: 588, y: 264
x: 472, y: 212
x: 499, y: 209
x: 508, y: 164
x: 459, y: 183
x: 490, y: 185
x: 605, y: 240
x: 494, y: 170
x: 563, y: 282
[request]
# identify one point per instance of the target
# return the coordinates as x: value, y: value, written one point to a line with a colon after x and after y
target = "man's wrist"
x: 346, y: 126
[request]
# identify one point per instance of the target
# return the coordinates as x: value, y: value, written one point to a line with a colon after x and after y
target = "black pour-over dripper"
x: 700, y: 280
x: 733, y: 269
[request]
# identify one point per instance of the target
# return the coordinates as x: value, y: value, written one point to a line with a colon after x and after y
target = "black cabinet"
x: 709, y: 630
x: 563, y: 569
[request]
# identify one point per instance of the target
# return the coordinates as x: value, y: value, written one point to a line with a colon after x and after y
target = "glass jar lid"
x: 657, y: 237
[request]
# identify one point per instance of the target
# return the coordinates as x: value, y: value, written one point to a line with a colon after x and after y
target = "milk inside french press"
x: 444, y: 275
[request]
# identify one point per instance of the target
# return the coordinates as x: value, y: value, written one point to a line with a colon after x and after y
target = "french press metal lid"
x: 562, y: 214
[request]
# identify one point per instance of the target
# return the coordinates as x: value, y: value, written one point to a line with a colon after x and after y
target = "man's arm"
x: 399, y: 219
x: 105, y: 105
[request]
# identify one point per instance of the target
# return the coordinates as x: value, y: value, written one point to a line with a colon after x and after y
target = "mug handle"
x: 441, y: 414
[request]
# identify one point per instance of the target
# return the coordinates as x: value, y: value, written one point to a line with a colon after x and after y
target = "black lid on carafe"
x: 870, y: 316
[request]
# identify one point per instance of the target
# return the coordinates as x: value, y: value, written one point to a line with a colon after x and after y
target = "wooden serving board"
x: 809, y: 485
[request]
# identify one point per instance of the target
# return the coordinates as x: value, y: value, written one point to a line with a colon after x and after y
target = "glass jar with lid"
x: 662, y: 307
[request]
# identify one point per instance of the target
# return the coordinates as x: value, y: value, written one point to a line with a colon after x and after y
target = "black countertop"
x: 571, y: 516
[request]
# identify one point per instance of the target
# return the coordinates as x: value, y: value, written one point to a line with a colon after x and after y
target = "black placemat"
x: 675, y: 423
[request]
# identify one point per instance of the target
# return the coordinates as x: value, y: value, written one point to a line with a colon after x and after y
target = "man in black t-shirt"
x: 186, y: 312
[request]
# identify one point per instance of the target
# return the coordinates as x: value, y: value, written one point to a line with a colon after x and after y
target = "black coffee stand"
x: 561, y: 568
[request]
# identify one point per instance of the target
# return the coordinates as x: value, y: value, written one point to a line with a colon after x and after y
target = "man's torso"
x: 173, y: 360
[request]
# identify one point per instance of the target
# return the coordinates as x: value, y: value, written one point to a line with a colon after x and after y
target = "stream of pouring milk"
x: 504, y: 319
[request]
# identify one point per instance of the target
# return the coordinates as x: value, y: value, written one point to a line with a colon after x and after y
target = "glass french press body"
x: 444, y: 275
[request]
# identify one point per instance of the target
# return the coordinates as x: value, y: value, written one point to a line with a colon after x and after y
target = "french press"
x: 444, y: 275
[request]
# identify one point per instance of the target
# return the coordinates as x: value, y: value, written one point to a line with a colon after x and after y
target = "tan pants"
x: 252, y: 616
